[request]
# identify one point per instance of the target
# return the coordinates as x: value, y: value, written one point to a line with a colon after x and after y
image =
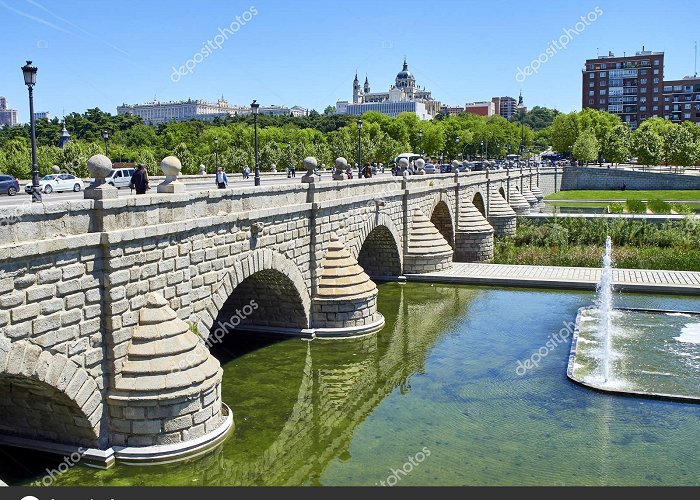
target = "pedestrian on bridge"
x: 221, y: 179
x: 139, y: 181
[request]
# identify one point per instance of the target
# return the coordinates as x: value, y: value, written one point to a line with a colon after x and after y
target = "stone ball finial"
x: 420, y: 163
x: 341, y: 163
x: 202, y: 169
x: 456, y: 164
x: 56, y: 169
x: 310, y: 164
x: 99, y: 166
x: 171, y: 166
x: 403, y: 163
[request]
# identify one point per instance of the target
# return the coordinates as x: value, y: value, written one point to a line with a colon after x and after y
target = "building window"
x: 655, y: 108
x: 642, y: 99
x: 603, y: 83
x: 655, y: 99
x: 591, y: 92
x: 656, y: 63
x: 686, y: 116
x: 591, y: 85
x: 591, y: 101
x: 602, y: 74
x: 642, y: 108
x: 687, y: 106
x: 656, y: 80
x: 603, y: 66
x: 643, y: 81
x: 602, y: 92
x: 602, y: 101
x: 643, y: 72
x: 677, y: 88
x: 666, y: 108
x: 643, y: 90
x: 591, y: 75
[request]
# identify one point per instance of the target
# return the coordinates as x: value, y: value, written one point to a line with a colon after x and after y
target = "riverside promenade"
x: 571, y: 278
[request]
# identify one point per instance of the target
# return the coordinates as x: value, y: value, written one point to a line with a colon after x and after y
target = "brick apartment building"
x: 634, y: 88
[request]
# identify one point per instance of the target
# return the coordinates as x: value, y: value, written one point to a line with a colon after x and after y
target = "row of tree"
x: 283, y: 141
x: 592, y: 135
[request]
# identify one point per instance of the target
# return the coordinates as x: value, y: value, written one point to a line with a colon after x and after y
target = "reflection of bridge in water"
x: 337, y: 392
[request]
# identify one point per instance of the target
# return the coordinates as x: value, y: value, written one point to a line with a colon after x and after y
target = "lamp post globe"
x: 254, y: 108
x: 105, y: 137
x: 29, y: 73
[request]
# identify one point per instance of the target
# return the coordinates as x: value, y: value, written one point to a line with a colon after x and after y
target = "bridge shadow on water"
x: 296, y: 403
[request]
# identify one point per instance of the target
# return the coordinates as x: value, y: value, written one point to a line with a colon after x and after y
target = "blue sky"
x: 99, y: 53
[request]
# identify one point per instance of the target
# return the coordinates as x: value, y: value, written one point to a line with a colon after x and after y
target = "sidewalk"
x: 572, y: 278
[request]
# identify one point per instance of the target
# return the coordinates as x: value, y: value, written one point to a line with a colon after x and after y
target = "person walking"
x: 246, y: 172
x: 139, y: 181
x: 221, y: 178
x: 368, y: 171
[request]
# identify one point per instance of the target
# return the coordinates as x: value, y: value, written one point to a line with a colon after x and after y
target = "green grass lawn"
x: 667, y: 195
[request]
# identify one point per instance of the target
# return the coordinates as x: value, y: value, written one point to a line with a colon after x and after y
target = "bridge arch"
x: 47, y: 396
x: 263, y: 289
x: 443, y: 219
x: 479, y: 202
x: 377, y: 247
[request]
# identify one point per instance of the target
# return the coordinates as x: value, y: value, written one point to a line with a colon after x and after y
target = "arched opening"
x: 267, y: 298
x: 36, y: 410
x: 379, y: 255
x: 478, y: 202
x: 503, y: 193
x: 442, y: 220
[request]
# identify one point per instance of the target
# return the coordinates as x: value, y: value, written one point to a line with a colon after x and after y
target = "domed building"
x: 404, y: 96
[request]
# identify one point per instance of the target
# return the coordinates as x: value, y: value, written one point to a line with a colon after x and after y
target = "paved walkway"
x: 573, y: 278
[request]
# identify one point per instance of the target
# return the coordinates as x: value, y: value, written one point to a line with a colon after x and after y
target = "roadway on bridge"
x: 575, y: 278
x: 190, y: 185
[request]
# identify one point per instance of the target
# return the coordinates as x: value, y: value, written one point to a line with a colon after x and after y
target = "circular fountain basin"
x: 654, y: 353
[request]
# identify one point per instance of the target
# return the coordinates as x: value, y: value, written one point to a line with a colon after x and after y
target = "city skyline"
x: 267, y: 52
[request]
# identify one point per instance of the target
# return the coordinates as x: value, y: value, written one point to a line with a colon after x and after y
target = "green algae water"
x: 436, y: 398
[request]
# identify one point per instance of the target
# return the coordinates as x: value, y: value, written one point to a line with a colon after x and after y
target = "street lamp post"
x: 456, y: 147
x: 462, y: 153
x: 105, y: 136
x: 29, y: 73
x: 420, y: 142
x: 255, y: 107
x: 359, y: 144
x: 216, y: 154
x: 482, y: 150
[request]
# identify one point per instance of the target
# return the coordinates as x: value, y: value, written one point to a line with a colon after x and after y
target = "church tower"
x: 356, y: 91
x: 367, y: 91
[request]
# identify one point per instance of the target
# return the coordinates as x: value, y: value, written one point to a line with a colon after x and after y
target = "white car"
x: 57, y: 182
x: 120, y: 177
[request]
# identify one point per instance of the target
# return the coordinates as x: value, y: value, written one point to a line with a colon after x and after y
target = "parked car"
x: 120, y: 177
x: 445, y: 168
x: 429, y: 168
x: 9, y: 185
x: 57, y: 182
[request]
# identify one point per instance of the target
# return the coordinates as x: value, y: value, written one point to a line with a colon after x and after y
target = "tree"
x: 679, y: 147
x: 564, y: 132
x: 616, y: 147
x: 586, y: 147
x: 330, y: 110
x: 647, y: 146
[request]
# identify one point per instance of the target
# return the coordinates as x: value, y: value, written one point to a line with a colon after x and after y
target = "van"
x: 120, y: 177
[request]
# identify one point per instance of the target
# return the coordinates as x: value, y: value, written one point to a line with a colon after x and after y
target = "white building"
x: 178, y: 111
x: 275, y: 110
x: 42, y: 115
x: 8, y: 117
x: 404, y: 96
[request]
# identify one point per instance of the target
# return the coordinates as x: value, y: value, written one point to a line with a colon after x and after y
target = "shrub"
x: 636, y: 207
x: 683, y: 208
x: 659, y: 206
x: 616, y: 208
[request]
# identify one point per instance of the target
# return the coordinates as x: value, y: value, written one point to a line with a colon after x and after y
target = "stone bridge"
x: 108, y: 305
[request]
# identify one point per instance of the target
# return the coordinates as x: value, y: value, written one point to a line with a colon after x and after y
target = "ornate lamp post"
x: 255, y: 107
x: 105, y: 136
x: 359, y: 144
x: 420, y: 142
x: 216, y: 154
x: 456, y: 147
x: 482, y: 150
x: 29, y: 73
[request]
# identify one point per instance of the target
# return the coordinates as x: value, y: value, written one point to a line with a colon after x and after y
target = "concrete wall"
x: 604, y: 178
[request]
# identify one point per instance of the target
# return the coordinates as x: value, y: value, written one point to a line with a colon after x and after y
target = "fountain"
x: 605, y: 305
x: 641, y: 352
